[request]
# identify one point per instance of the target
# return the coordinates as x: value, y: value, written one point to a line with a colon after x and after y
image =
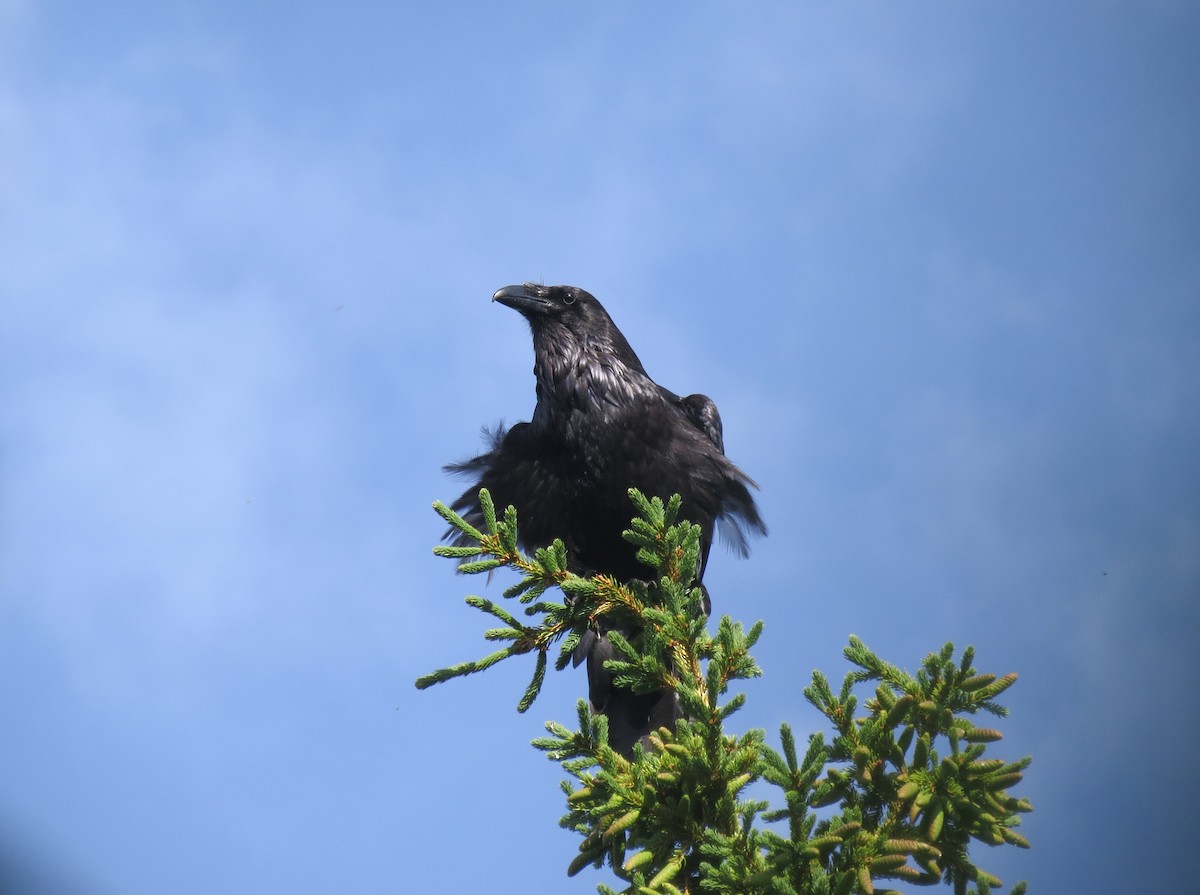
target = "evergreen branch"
x: 457, y: 522
x: 905, y: 781
x: 497, y: 547
x: 462, y: 669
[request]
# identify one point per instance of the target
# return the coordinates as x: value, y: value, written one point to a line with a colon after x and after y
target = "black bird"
x: 600, y: 427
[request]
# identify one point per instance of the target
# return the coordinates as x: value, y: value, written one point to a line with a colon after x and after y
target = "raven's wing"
x: 467, y: 505
x: 702, y: 413
x: 521, y: 470
x: 738, y: 515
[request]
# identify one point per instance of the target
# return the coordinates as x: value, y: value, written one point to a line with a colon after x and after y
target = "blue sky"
x: 936, y: 262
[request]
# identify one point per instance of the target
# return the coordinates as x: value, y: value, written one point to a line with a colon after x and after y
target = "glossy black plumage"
x: 600, y: 427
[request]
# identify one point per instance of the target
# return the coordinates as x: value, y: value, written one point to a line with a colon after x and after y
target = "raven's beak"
x: 529, y: 298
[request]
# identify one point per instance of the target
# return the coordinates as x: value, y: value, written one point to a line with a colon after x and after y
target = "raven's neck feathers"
x: 596, y: 375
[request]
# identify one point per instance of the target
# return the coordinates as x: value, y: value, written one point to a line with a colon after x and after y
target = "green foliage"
x: 899, y: 793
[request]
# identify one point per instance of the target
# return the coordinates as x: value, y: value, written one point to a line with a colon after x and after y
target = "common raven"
x: 600, y: 427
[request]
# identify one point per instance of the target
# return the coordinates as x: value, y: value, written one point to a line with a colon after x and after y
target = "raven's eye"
x: 569, y: 298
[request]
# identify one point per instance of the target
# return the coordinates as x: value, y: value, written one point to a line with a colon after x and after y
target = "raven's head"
x: 579, y: 352
x: 567, y: 307
x: 567, y: 320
